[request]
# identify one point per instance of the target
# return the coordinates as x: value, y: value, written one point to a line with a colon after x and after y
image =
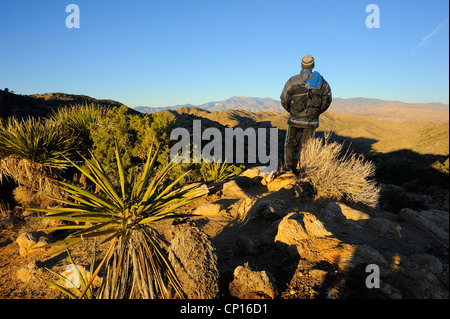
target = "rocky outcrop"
x: 271, y: 209
x: 418, y: 275
x: 208, y: 209
x: 408, y: 250
x: 435, y: 222
x: 250, y: 284
x: 30, y: 242
x: 303, y: 235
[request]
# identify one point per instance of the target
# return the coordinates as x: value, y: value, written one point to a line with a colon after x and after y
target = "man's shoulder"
x: 296, y: 79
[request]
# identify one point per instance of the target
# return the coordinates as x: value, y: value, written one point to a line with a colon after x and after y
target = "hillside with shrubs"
x: 92, y: 207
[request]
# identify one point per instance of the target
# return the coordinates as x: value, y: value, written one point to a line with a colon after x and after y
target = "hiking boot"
x: 289, y: 171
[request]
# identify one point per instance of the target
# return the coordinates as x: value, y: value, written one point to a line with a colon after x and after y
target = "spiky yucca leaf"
x: 218, y: 171
x: 36, y: 141
x: 119, y: 212
x: 76, y: 120
x: 72, y: 290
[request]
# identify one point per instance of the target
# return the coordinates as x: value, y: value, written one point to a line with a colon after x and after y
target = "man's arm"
x: 326, y: 97
x: 285, y: 96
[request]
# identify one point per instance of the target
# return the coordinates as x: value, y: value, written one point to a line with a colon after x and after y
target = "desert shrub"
x: 335, y: 176
x: 133, y: 133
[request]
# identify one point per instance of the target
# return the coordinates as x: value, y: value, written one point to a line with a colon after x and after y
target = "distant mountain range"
x: 252, y: 104
x: 381, y: 109
x: 361, y: 120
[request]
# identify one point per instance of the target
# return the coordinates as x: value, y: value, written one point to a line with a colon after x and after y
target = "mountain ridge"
x: 390, y: 110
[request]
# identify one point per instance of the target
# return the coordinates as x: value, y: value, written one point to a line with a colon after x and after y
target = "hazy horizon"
x: 278, y: 100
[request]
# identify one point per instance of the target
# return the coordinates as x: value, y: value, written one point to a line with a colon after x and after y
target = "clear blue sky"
x: 160, y: 53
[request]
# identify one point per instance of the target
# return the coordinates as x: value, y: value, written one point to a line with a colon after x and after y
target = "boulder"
x: 29, y: 272
x: 250, y: 284
x: 270, y: 209
x: 72, y: 275
x: 342, y: 213
x: 232, y: 189
x: 303, y: 235
x: 384, y: 227
x: 208, y: 210
x: 251, y: 172
x: 364, y: 254
x: 286, y: 181
x: 433, y: 222
x: 296, y: 227
x: 419, y: 283
x: 29, y: 242
x: 427, y: 261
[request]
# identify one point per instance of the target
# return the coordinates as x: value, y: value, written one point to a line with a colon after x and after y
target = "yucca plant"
x: 217, y: 171
x: 136, y: 262
x: 76, y: 285
x: 77, y: 120
x: 40, y: 143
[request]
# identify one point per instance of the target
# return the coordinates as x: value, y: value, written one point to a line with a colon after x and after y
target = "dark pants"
x: 295, y: 138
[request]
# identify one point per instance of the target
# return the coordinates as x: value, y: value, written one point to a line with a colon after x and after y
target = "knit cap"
x: 308, y: 62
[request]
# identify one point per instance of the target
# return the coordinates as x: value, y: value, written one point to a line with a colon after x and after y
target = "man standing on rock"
x: 305, y: 96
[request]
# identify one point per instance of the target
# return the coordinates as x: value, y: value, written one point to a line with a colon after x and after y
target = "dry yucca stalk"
x: 336, y: 177
x: 35, y: 184
x: 33, y: 153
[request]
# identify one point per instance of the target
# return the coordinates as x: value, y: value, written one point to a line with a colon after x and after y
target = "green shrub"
x: 133, y: 134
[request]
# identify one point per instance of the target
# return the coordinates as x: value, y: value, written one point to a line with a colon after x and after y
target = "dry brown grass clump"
x: 35, y: 183
x: 338, y: 177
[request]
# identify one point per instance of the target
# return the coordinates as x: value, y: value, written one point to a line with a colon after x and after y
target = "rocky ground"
x: 263, y: 236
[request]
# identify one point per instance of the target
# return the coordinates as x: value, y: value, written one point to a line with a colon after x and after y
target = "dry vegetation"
x: 337, y: 177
